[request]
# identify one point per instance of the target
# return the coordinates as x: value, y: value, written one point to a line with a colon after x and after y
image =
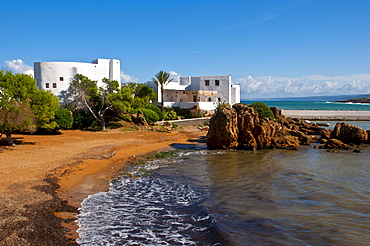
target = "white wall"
x: 59, y: 74
x: 224, y: 91
x: 235, y: 94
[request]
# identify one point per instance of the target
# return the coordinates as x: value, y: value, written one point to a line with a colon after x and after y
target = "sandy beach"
x: 44, y: 178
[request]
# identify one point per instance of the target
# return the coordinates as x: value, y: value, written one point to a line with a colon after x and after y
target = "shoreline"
x: 44, y: 182
x: 333, y: 115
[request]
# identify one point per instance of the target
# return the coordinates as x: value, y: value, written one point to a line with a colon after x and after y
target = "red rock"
x: 348, y: 133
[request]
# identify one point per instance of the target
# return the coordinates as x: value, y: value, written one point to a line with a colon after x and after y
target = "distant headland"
x: 355, y: 100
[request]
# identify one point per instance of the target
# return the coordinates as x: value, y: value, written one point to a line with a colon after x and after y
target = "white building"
x: 204, y: 91
x: 55, y: 76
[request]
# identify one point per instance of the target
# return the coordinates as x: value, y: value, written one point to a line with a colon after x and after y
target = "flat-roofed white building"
x: 205, y: 91
x: 56, y: 76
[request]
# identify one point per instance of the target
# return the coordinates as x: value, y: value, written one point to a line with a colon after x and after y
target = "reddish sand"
x: 48, y: 175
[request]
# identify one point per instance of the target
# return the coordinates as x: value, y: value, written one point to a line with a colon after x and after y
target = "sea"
x: 196, y: 196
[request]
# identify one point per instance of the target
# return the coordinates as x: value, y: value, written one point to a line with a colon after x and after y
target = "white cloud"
x: 126, y: 78
x: 312, y: 85
x: 16, y: 66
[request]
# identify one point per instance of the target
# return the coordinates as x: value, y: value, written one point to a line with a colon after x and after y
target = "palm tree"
x: 161, y: 79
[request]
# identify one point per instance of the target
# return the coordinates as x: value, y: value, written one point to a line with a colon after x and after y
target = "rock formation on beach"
x: 241, y: 127
x: 343, y: 135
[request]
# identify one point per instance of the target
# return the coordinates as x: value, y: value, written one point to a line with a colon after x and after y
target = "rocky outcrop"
x: 348, y: 133
x: 336, y: 144
x: 223, y: 129
x: 242, y: 128
x: 139, y: 119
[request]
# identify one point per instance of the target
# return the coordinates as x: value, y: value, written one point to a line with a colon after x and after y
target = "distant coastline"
x: 315, y: 105
x: 356, y: 100
x: 311, y: 98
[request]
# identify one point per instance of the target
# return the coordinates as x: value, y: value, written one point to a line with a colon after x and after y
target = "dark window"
x: 47, y: 85
x: 209, y: 99
x: 54, y: 85
x: 206, y: 82
x: 61, y: 79
x: 219, y: 99
x: 217, y: 82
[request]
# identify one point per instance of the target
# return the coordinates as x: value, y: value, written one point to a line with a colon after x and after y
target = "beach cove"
x: 46, y: 176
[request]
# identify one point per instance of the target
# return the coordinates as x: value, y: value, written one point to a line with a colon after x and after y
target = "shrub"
x: 149, y: 114
x: 170, y: 114
x: 64, y: 118
x: 263, y: 110
x: 82, y: 119
x: 157, y: 110
x: 125, y: 117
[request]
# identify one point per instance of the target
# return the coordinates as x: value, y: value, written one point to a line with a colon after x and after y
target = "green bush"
x: 82, y: 120
x: 125, y: 117
x: 263, y: 110
x: 64, y: 118
x: 157, y: 110
x: 149, y: 114
x: 170, y: 114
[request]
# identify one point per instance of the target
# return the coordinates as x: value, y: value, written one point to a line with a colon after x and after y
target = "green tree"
x: 23, y: 106
x: 142, y: 94
x: 161, y: 79
x: 85, y: 94
x: 14, y: 115
x: 64, y: 118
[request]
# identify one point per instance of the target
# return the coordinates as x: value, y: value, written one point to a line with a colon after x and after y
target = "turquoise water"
x: 309, y: 105
x: 206, y: 197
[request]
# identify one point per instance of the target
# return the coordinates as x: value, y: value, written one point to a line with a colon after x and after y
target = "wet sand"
x: 44, y: 178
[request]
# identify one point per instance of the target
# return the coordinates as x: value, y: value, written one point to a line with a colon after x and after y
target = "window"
x: 217, y: 82
x: 61, y: 79
x: 47, y: 85
x: 209, y: 99
x: 206, y: 82
x: 54, y: 85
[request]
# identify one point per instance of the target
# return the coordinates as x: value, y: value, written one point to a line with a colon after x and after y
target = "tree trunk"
x: 9, y: 139
x: 162, y: 97
x: 102, y: 125
x: 102, y: 121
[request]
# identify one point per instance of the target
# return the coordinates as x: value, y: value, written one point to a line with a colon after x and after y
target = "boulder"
x: 303, y: 138
x: 223, y: 129
x: 348, y: 133
x: 326, y: 133
x: 283, y: 140
x: 139, y: 119
x: 333, y: 143
x: 277, y: 113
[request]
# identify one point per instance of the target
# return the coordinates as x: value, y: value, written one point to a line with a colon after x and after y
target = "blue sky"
x: 273, y: 48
